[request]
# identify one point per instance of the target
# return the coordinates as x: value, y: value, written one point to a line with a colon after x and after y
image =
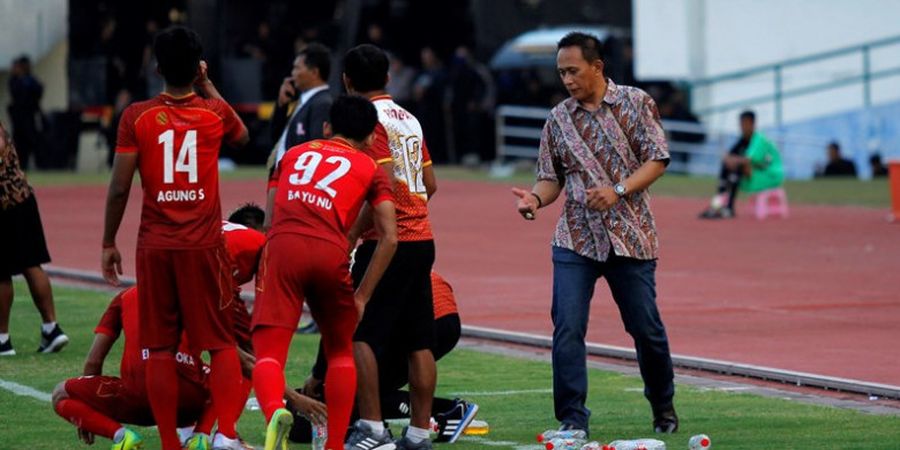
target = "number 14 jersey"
x: 321, y: 186
x: 177, y: 141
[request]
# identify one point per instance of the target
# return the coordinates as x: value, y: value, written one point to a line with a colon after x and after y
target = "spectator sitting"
x: 837, y: 166
x: 753, y: 165
x: 878, y: 168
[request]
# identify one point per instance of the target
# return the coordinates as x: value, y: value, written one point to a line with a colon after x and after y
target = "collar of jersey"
x: 342, y: 142
x: 181, y: 98
x: 381, y: 97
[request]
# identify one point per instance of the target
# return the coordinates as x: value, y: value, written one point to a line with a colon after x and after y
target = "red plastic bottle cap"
x: 704, y: 442
x: 549, y: 446
x: 540, y: 437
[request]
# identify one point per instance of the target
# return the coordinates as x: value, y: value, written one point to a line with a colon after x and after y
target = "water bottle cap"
x: 704, y: 442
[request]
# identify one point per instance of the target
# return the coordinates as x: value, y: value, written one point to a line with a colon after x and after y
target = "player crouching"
x: 321, y: 186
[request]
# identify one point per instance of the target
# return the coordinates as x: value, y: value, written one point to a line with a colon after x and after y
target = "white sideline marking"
x: 25, y: 391
x: 500, y: 393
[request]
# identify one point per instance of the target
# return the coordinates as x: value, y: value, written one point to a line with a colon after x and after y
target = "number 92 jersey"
x: 177, y: 141
x: 321, y: 186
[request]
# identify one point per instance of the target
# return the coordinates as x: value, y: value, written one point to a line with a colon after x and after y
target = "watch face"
x: 619, y: 189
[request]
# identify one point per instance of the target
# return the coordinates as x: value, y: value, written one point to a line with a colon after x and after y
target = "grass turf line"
x: 732, y: 420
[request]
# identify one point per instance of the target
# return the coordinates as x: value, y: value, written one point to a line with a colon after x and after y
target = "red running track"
x: 813, y: 293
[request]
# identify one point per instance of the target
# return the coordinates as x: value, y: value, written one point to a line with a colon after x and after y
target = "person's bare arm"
x: 364, y: 222
x: 93, y: 364
x: 208, y: 90
x: 313, y: 409
x: 429, y: 180
x: 385, y: 221
x: 124, y: 166
x: 542, y: 194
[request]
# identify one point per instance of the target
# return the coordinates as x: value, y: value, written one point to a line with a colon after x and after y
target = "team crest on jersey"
x: 162, y: 118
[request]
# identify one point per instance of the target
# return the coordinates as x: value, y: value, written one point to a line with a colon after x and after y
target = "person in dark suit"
x: 25, y: 109
x: 307, y: 91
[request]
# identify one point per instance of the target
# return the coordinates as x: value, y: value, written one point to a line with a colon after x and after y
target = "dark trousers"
x: 729, y: 180
x: 633, y: 287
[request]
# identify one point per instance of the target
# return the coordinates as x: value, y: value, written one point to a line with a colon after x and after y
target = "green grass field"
x: 732, y: 420
x: 873, y: 193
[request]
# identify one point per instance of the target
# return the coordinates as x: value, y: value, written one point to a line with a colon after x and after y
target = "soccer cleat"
x: 53, y: 341
x: 6, y: 348
x: 665, y: 421
x: 565, y: 431
x: 278, y: 429
x: 405, y: 444
x: 452, y: 423
x: 363, y: 438
x: 199, y: 441
x: 130, y: 441
x: 221, y: 442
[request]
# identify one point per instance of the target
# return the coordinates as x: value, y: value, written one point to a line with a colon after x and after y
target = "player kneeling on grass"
x: 320, y: 189
x: 100, y: 405
x: 452, y: 415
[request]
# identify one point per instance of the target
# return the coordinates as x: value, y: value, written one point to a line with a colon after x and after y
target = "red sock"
x: 340, y: 391
x: 162, y: 390
x: 340, y: 379
x: 207, y: 420
x: 82, y: 416
x: 270, y: 344
x: 224, y: 373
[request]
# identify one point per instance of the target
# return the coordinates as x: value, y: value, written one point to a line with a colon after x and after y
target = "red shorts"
x: 188, y: 290
x: 111, y: 397
x: 294, y: 268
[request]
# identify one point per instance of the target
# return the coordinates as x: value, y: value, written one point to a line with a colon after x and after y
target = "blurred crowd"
x: 441, y: 77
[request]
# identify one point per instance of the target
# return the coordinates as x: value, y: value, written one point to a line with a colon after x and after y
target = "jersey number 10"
x: 187, y: 156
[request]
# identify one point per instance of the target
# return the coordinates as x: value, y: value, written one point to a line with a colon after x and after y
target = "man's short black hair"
x: 353, y: 117
x: 367, y: 68
x: 178, y: 51
x: 317, y: 56
x: 590, y: 45
x: 748, y: 115
x: 249, y: 215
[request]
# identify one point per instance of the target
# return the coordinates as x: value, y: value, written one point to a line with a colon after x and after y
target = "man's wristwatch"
x: 619, y: 188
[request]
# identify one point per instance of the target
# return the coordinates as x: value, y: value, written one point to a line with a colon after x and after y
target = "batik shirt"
x: 14, y: 189
x: 581, y: 149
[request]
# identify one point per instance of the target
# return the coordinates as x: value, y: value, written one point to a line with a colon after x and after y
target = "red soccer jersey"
x: 444, y: 302
x: 321, y: 186
x: 399, y: 139
x: 122, y: 316
x: 243, y: 246
x: 177, y: 141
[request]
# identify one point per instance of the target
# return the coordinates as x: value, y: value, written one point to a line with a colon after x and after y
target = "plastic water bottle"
x: 699, y: 442
x: 593, y: 445
x: 319, y: 436
x: 636, y: 444
x: 559, y: 443
x: 563, y: 434
x: 477, y: 428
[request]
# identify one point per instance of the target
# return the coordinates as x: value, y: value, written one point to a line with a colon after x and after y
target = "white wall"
x: 695, y: 39
x: 33, y: 27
